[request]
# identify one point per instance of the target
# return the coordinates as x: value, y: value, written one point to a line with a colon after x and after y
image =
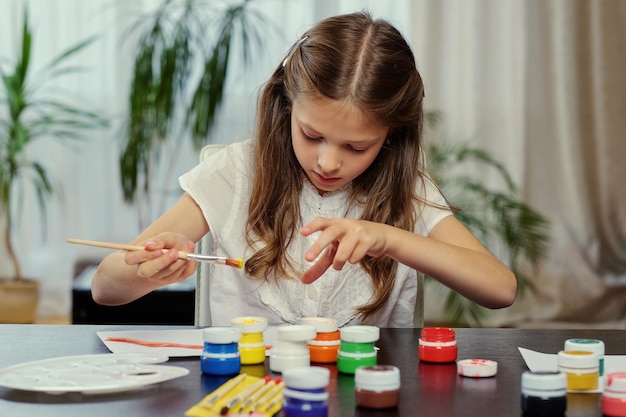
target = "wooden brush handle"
x: 119, y: 246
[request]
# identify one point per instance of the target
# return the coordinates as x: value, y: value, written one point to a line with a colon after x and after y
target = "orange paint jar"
x: 325, y: 347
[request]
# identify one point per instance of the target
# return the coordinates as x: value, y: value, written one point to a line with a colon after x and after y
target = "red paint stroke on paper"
x: 153, y: 344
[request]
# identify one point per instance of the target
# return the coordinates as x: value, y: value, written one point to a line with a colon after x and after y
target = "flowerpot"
x: 18, y: 300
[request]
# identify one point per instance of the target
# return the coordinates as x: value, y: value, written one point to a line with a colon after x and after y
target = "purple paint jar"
x: 305, y: 392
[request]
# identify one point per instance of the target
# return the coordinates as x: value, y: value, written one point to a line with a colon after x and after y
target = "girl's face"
x: 334, y: 142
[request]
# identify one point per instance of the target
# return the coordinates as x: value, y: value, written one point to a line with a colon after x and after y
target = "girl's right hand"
x: 159, y: 261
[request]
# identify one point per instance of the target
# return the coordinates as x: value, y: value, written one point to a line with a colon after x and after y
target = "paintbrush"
x: 261, y: 392
x: 222, y: 390
x: 234, y: 403
x: 237, y: 263
x: 267, y: 400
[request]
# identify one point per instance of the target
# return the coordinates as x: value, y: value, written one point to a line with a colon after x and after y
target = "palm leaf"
x: 499, y: 219
x: 179, y: 37
x: 30, y: 117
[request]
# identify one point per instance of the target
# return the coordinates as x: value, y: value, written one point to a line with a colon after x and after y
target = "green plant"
x: 499, y: 218
x: 179, y: 75
x: 32, y: 112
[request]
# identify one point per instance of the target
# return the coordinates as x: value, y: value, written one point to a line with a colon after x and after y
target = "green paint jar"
x: 357, y: 348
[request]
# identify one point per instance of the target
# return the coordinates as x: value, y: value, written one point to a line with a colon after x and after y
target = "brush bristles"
x: 237, y: 263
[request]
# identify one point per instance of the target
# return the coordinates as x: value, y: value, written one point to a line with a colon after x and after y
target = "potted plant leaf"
x: 183, y: 57
x: 497, y: 216
x: 30, y: 111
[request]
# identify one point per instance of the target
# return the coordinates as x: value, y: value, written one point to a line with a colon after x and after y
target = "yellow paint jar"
x: 252, y: 344
x: 581, y: 369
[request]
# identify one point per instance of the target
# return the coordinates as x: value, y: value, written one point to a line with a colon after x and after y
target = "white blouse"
x: 221, y: 186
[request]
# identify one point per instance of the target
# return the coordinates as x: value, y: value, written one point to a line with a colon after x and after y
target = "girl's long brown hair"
x: 368, y: 64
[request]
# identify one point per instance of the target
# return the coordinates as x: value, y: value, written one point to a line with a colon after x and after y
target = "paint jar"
x: 544, y: 394
x: 614, y: 395
x: 290, y: 348
x: 357, y: 347
x: 305, y: 393
x: 377, y: 386
x: 590, y: 345
x: 325, y: 347
x: 581, y: 369
x: 220, y: 355
x: 251, y: 345
x: 477, y: 368
x: 437, y: 344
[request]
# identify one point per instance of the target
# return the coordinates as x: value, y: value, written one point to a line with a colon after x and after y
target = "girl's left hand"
x: 345, y: 240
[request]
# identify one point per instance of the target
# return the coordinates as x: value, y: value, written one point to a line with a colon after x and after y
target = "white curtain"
x: 91, y: 204
x: 541, y: 85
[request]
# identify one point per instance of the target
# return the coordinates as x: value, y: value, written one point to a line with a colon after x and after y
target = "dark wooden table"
x: 427, y: 389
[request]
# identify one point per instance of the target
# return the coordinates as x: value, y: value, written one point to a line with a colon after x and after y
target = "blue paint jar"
x: 305, y: 393
x: 220, y: 355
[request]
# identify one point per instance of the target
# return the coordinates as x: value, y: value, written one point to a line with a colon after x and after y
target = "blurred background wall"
x: 539, y: 84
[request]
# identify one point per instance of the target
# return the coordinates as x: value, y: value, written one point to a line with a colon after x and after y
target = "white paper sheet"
x: 548, y: 362
x: 172, y: 343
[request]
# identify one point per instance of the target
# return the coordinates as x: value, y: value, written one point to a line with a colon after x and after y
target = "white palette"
x: 90, y: 374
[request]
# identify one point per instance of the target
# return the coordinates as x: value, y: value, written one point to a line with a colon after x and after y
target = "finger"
x: 141, y: 256
x: 327, y: 238
x: 319, y: 267
x: 144, y: 270
x: 152, y: 267
x: 346, y: 251
x: 358, y: 254
x: 315, y: 225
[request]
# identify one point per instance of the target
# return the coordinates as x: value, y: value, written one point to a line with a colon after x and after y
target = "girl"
x: 329, y: 204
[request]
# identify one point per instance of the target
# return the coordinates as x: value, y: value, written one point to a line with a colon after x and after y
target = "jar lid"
x: 221, y: 335
x: 306, y: 377
x: 615, y: 382
x: 438, y: 334
x: 377, y: 378
x: 544, y: 380
x: 477, y: 368
x: 592, y: 345
x: 577, y: 359
x: 296, y: 333
x: 360, y: 334
x: 249, y: 324
x: 321, y: 324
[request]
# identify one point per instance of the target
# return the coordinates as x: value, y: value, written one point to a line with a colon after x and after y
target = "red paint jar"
x: 614, y: 395
x: 437, y: 344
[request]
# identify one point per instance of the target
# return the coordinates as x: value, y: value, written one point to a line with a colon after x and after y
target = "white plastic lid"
x: 377, y: 378
x: 249, y: 324
x: 306, y: 377
x: 221, y: 335
x: 296, y: 333
x: 577, y: 359
x: 591, y: 345
x: 321, y: 324
x: 615, y: 382
x: 360, y: 334
x: 477, y: 368
x: 544, y: 381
